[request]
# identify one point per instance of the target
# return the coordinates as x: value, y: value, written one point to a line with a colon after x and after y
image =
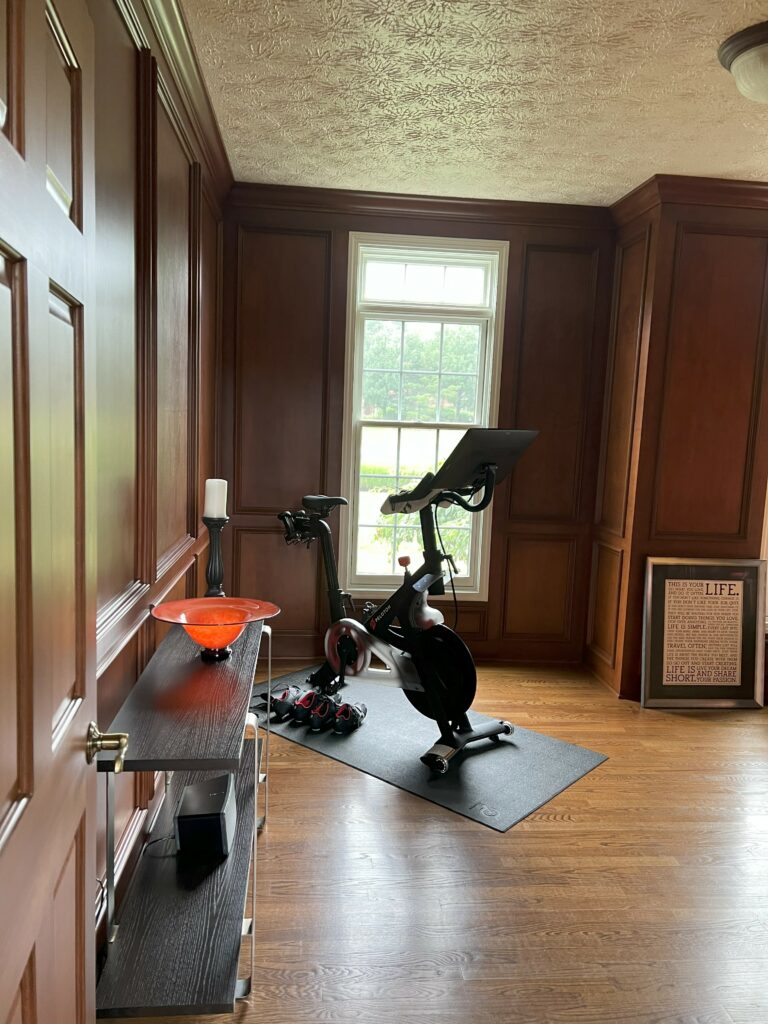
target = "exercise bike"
x: 422, y: 656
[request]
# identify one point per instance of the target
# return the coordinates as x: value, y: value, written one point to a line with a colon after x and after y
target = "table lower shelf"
x: 179, y: 934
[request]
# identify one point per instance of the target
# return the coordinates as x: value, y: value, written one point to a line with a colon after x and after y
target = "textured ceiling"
x: 570, y: 101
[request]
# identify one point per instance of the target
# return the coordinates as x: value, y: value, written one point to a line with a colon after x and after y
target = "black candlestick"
x: 214, y: 573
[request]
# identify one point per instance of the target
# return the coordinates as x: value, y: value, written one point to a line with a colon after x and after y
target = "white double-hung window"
x: 425, y: 320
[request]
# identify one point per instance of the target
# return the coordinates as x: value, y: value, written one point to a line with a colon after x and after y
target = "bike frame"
x: 428, y: 578
x: 408, y: 605
x: 409, y: 649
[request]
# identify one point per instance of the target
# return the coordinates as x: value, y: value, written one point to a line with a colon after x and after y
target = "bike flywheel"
x: 446, y: 669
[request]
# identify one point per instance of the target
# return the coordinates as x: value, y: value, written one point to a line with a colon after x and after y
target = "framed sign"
x: 703, y: 633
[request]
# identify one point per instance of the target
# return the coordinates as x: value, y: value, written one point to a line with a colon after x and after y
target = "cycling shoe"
x: 323, y: 712
x: 284, y: 700
x: 349, y: 717
x: 303, y: 705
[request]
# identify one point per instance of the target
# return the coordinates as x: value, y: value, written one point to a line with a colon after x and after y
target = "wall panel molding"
x: 110, y: 614
x: 263, y: 566
x: 473, y: 622
x: 603, y: 624
x: 193, y: 373
x: 121, y: 628
x: 290, y: 339
x: 208, y: 327
x: 550, y: 372
x: 159, y: 25
x: 622, y: 383
x: 540, y: 606
x: 173, y: 37
x: 146, y: 341
x: 115, y: 315
x: 177, y: 231
x: 710, y: 426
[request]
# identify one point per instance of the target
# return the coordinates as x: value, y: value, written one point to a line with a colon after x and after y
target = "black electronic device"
x: 206, y: 818
x: 478, y: 448
x: 483, y: 458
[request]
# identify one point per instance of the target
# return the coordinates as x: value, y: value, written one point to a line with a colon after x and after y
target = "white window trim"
x: 463, y: 246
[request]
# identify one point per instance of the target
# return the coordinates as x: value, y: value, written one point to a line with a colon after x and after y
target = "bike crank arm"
x: 400, y: 671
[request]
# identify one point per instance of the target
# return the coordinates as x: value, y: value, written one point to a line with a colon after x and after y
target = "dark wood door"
x: 47, y: 691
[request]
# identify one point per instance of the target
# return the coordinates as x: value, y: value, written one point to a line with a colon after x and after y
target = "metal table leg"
x: 244, y: 985
x: 111, y: 921
x: 264, y: 776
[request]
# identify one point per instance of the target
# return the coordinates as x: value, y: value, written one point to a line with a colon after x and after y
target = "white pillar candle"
x: 215, y: 499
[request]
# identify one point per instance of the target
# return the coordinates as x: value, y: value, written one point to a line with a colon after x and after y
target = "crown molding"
x: 682, y: 189
x: 678, y: 188
x: 245, y: 196
x: 170, y: 29
x: 636, y: 203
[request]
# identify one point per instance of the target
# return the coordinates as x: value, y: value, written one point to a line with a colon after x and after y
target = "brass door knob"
x: 96, y: 741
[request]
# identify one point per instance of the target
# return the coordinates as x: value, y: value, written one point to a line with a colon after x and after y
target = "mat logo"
x: 484, y: 809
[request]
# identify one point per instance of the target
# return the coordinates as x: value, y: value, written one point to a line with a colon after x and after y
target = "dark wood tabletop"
x: 185, y: 713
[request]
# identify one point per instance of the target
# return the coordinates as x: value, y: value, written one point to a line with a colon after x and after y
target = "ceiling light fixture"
x: 745, y: 55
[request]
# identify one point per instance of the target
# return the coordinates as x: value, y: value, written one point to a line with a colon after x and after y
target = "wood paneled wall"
x: 282, y: 394
x: 161, y: 176
x: 684, y: 459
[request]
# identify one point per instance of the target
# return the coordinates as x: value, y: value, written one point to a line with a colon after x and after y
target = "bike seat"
x: 321, y: 503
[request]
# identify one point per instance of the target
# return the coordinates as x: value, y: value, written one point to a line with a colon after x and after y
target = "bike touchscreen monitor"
x: 480, y: 447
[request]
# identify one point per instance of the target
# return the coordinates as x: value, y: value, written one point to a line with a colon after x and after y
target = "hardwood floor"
x: 637, y: 896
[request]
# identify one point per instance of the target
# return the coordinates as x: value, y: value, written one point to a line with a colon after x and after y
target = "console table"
x: 177, y: 945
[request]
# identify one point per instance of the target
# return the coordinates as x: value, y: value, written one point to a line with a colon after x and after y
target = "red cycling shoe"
x: 283, y: 702
x: 349, y: 717
x: 323, y: 713
x: 303, y: 705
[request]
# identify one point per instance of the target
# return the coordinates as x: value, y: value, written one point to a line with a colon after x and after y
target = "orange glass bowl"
x: 214, y: 622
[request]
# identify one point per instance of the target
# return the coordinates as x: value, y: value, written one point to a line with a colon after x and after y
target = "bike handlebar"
x: 302, y: 527
x: 413, y: 501
x: 455, y: 497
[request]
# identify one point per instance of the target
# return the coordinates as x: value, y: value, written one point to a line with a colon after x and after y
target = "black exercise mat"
x: 495, y: 784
